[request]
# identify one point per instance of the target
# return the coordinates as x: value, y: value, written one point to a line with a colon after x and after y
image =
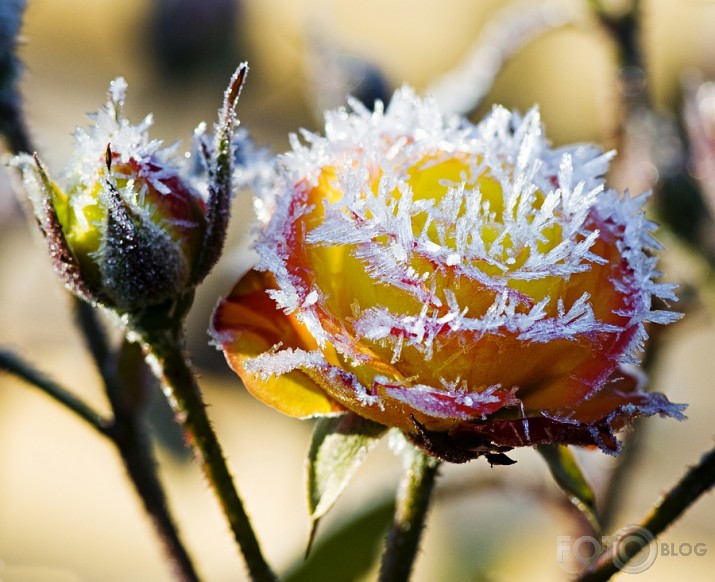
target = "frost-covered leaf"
x: 567, y: 473
x: 338, y: 448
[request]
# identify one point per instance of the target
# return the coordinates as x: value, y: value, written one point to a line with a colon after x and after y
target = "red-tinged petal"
x: 452, y: 404
x: 593, y: 423
x: 624, y: 394
x: 247, y: 324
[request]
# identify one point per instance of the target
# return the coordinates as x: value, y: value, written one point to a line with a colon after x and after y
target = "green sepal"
x: 50, y: 209
x: 140, y: 264
x: 218, y: 161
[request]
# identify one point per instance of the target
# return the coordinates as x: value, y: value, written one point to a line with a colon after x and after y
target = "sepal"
x: 43, y: 195
x: 219, y: 162
x: 139, y: 263
x: 567, y: 474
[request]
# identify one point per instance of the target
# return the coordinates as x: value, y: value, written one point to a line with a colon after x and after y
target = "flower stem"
x: 695, y: 482
x: 141, y: 467
x: 93, y: 334
x: 413, y: 498
x: 123, y: 388
x: 164, y: 352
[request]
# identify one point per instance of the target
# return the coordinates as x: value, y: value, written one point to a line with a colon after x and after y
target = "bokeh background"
x: 67, y: 511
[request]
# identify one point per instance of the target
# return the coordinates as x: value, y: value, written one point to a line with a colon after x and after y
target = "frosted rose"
x: 468, y: 284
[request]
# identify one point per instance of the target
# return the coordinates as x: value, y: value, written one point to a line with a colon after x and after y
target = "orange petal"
x: 247, y: 324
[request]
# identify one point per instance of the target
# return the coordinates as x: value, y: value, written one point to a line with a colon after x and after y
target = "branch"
x: 14, y: 364
x: 695, y: 482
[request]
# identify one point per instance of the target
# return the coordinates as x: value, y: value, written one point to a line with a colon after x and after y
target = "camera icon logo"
x: 630, y: 548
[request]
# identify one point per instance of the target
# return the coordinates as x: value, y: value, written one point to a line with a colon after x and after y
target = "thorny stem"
x: 413, y: 498
x: 695, y: 482
x: 95, y: 338
x: 123, y: 387
x: 135, y: 450
x: 164, y: 352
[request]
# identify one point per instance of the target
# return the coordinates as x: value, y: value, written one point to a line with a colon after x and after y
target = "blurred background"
x: 67, y: 511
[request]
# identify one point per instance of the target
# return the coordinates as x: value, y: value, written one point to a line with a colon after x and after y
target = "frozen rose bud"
x: 467, y: 284
x: 129, y: 229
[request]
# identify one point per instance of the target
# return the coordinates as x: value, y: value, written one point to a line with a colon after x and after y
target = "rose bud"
x: 129, y: 229
x: 468, y: 284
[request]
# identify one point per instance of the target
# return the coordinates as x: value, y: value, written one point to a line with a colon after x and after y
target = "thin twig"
x: 125, y: 432
x: 463, y: 89
x: 14, y: 364
x: 695, y: 482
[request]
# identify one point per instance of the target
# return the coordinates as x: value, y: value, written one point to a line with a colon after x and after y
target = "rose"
x: 467, y: 284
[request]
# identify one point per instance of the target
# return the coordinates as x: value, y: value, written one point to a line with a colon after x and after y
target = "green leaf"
x: 339, y: 446
x: 568, y: 475
x: 349, y: 550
